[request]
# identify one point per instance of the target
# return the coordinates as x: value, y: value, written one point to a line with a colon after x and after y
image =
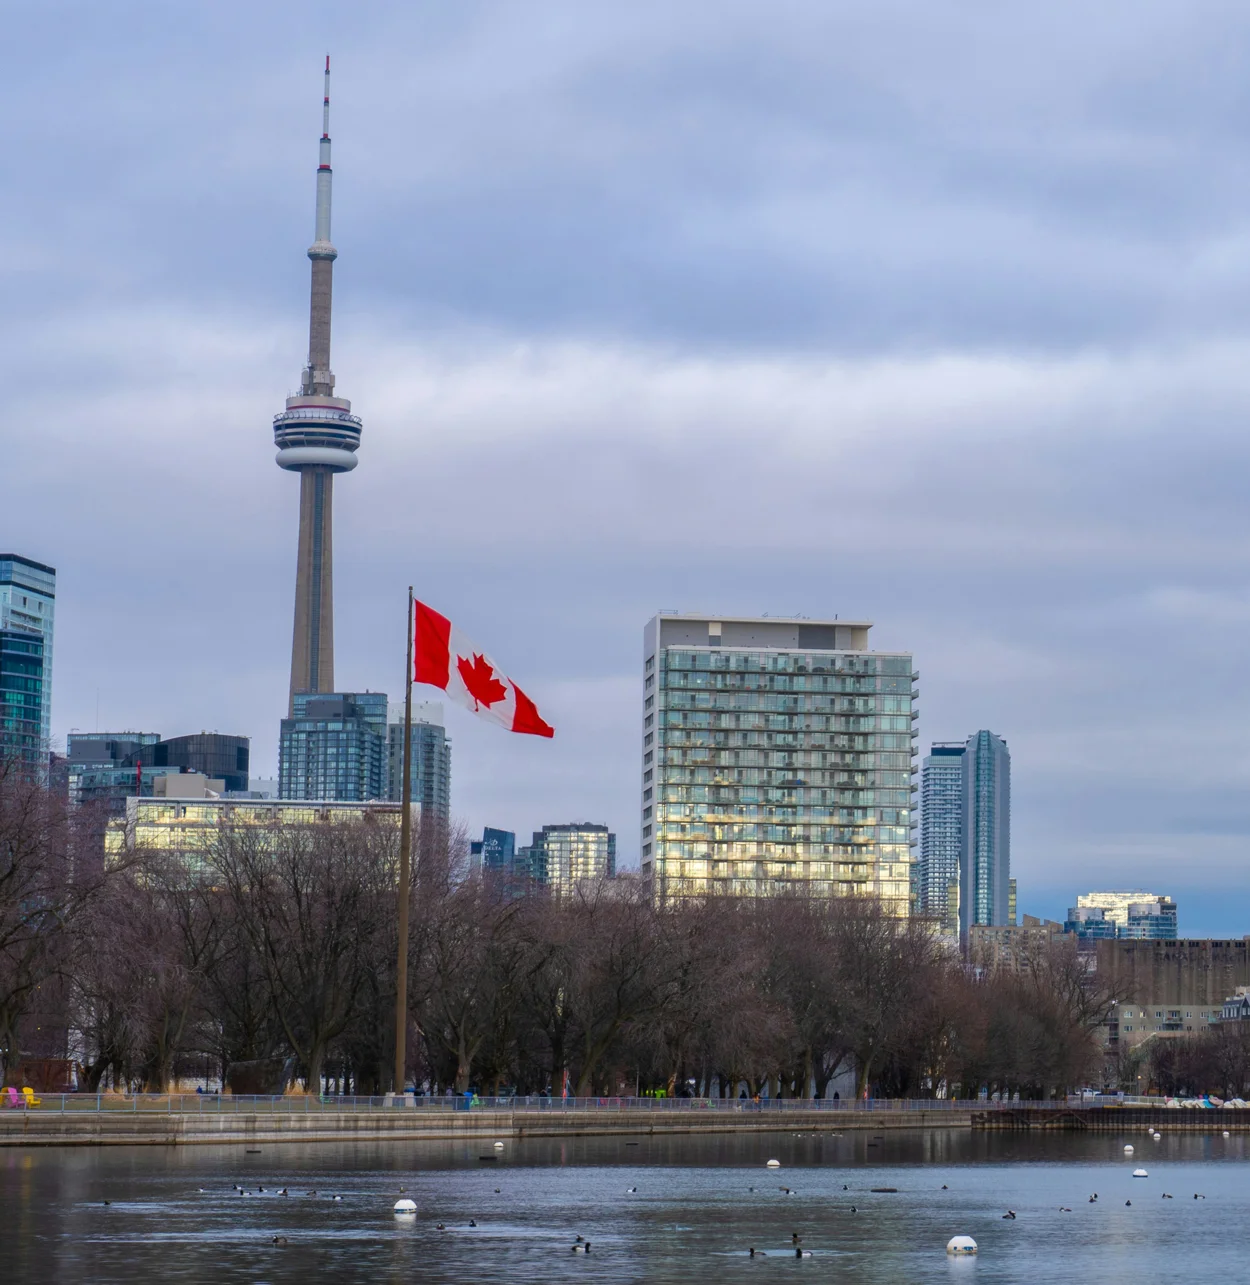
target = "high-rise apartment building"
x: 27, y: 612
x: 431, y: 759
x: 941, y: 832
x: 566, y: 855
x: 334, y: 748
x: 985, y: 867
x: 776, y: 756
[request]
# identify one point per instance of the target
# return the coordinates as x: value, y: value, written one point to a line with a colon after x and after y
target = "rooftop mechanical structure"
x: 317, y: 436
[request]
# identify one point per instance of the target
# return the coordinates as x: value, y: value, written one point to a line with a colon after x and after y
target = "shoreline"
x: 118, y: 1127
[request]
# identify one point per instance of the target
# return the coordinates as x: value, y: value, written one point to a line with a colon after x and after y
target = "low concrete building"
x: 188, y: 828
x: 1170, y: 987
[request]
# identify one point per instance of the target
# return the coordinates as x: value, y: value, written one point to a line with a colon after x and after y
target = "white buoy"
x: 1227, y: 1134
x: 498, y: 1146
x: 773, y: 1164
x: 1140, y: 1173
x: 961, y: 1245
x: 1128, y: 1148
x: 405, y: 1206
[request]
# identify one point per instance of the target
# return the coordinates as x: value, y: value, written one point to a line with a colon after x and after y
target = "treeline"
x: 1215, y: 1061
x: 281, y: 945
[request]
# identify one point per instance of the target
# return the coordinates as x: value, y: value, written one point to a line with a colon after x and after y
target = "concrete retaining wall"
x: 19, y: 1128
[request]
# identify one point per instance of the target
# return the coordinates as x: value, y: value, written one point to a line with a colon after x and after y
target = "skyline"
x: 986, y: 378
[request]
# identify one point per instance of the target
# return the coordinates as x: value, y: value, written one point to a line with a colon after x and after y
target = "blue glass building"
x: 21, y: 700
x: 334, y: 749
x: 27, y: 608
x: 985, y: 866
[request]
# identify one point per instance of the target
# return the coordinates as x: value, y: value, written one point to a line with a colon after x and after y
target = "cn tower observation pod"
x: 317, y: 431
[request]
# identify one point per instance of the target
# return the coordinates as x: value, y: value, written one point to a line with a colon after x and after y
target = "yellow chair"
x: 29, y: 1094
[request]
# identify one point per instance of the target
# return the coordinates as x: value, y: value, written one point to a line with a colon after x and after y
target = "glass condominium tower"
x: 985, y: 865
x: 27, y: 611
x: 941, y: 831
x: 776, y: 757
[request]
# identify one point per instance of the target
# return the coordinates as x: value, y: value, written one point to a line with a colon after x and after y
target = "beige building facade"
x: 776, y: 756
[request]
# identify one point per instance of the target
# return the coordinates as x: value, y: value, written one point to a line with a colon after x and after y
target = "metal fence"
x: 229, y: 1104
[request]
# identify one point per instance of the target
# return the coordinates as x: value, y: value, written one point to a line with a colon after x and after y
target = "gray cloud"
x: 934, y: 315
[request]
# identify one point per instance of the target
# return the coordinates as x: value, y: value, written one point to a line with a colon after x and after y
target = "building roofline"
x: 28, y: 562
x: 759, y: 620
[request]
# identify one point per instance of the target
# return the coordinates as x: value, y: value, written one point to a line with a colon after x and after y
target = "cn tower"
x: 317, y: 436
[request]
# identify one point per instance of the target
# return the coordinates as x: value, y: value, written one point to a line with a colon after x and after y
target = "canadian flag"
x: 444, y: 657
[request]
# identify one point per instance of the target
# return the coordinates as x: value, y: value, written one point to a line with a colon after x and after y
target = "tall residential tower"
x: 985, y: 867
x: 317, y: 436
x: 941, y: 833
x: 776, y: 757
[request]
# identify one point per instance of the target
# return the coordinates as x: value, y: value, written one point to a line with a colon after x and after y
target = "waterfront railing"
x: 232, y: 1103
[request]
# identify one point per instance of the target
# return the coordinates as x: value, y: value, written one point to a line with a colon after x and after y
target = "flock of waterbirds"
x: 405, y: 1208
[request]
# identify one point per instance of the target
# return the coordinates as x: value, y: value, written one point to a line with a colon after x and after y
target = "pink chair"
x: 11, y: 1098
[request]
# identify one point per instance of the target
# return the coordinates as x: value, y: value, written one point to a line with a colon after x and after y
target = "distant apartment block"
x: 776, y: 756
x: 334, y: 748
x: 1011, y: 947
x: 562, y: 856
x: 431, y: 759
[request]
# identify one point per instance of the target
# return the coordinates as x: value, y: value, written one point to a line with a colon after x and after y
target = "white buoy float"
x: 498, y: 1146
x: 961, y: 1245
x: 773, y: 1164
x: 1128, y: 1148
x: 405, y: 1206
x: 1140, y: 1173
x: 1227, y: 1134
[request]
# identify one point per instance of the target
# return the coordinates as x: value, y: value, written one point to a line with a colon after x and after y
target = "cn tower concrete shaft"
x: 317, y: 436
x: 312, y: 647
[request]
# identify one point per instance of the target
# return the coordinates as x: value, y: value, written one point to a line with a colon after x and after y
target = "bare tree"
x: 310, y: 898
x: 47, y: 877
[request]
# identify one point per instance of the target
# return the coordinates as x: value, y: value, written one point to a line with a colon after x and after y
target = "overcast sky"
x: 934, y: 314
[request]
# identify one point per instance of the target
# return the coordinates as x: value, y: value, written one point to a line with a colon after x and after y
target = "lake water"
x: 701, y: 1203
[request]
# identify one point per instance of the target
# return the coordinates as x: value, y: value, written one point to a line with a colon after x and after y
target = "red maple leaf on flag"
x: 480, y: 681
